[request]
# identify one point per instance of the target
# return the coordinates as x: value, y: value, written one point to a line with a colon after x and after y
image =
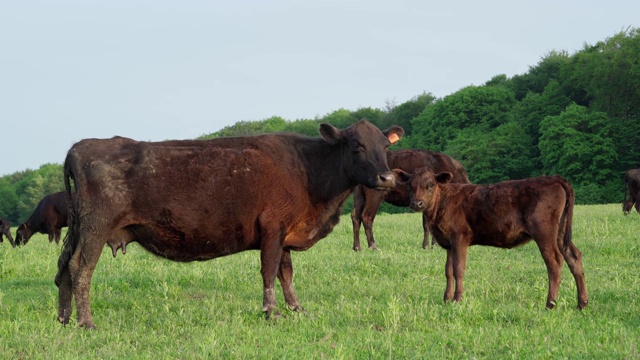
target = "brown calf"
x: 505, y: 215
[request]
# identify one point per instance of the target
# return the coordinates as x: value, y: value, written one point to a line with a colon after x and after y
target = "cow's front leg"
x: 285, y: 275
x: 459, y: 267
x: 270, y: 255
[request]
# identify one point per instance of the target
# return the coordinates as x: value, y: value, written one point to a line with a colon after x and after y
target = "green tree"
x: 484, y: 108
x: 501, y: 154
x: 577, y: 145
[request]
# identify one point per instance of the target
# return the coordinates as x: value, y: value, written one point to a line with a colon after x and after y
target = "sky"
x: 158, y: 69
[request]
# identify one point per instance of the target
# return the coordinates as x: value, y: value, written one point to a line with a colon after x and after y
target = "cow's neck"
x: 327, y: 178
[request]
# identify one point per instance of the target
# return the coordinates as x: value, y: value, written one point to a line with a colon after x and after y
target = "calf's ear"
x: 401, y: 176
x: 394, y: 134
x: 444, y: 178
x: 330, y: 134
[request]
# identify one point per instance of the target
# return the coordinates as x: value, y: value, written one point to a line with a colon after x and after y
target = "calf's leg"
x: 459, y: 267
x: 448, y: 273
x: 425, y: 228
x: 573, y: 256
x: 553, y: 260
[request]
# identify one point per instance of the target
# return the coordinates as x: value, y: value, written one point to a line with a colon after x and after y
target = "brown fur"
x: 5, y: 229
x: 366, y: 202
x: 49, y: 217
x: 632, y: 183
x: 198, y: 200
x: 505, y: 215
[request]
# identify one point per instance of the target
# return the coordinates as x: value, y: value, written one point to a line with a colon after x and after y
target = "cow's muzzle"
x: 385, y: 181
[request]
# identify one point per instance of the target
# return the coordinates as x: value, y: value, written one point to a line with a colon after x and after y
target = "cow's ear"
x: 444, y: 178
x: 401, y: 176
x: 330, y: 134
x: 394, y: 134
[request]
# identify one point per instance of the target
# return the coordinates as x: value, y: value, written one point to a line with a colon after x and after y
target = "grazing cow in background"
x: 5, y: 229
x: 49, y: 217
x: 366, y: 202
x: 505, y: 215
x: 201, y: 199
x: 632, y: 182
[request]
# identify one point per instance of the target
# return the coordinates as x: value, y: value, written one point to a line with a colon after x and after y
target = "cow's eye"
x: 357, y: 146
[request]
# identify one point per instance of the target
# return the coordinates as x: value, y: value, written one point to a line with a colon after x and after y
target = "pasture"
x: 367, y: 305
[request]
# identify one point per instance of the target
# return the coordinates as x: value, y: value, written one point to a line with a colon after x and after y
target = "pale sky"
x: 158, y: 69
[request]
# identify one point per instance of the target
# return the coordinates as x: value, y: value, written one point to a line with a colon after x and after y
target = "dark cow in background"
x: 5, y: 229
x: 366, y: 202
x: 49, y: 217
x: 202, y: 199
x: 505, y: 215
x: 632, y: 182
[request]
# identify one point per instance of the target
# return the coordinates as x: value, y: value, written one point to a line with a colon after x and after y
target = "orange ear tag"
x: 393, y: 138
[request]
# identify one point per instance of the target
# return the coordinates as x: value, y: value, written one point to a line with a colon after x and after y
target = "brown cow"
x: 632, y: 181
x: 202, y: 199
x: 49, y: 217
x: 505, y: 215
x: 5, y: 229
x: 366, y: 202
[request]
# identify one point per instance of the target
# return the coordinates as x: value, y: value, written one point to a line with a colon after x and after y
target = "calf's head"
x: 364, y: 157
x: 23, y: 234
x: 423, y: 186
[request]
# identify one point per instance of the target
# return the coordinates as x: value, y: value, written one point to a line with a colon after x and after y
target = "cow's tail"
x: 567, y: 214
x: 71, y: 238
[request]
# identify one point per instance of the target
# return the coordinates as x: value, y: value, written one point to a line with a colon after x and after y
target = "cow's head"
x: 364, y: 157
x: 23, y: 234
x: 423, y: 186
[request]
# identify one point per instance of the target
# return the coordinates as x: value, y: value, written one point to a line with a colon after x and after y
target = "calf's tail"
x: 71, y: 238
x: 568, y: 212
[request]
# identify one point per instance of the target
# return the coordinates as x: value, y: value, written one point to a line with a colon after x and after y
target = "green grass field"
x: 367, y: 305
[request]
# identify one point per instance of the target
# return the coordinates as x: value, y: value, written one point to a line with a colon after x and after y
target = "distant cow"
x: 366, y: 202
x: 632, y: 182
x: 505, y: 214
x: 49, y: 217
x: 202, y: 199
x: 5, y: 229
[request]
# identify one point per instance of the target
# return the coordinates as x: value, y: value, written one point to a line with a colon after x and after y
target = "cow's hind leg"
x: 553, y: 260
x: 63, y: 280
x: 573, y: 256
x: 81, y: 267
x: 285, y: 275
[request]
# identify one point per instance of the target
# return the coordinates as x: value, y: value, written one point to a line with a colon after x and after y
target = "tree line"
x: 575, y: 115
